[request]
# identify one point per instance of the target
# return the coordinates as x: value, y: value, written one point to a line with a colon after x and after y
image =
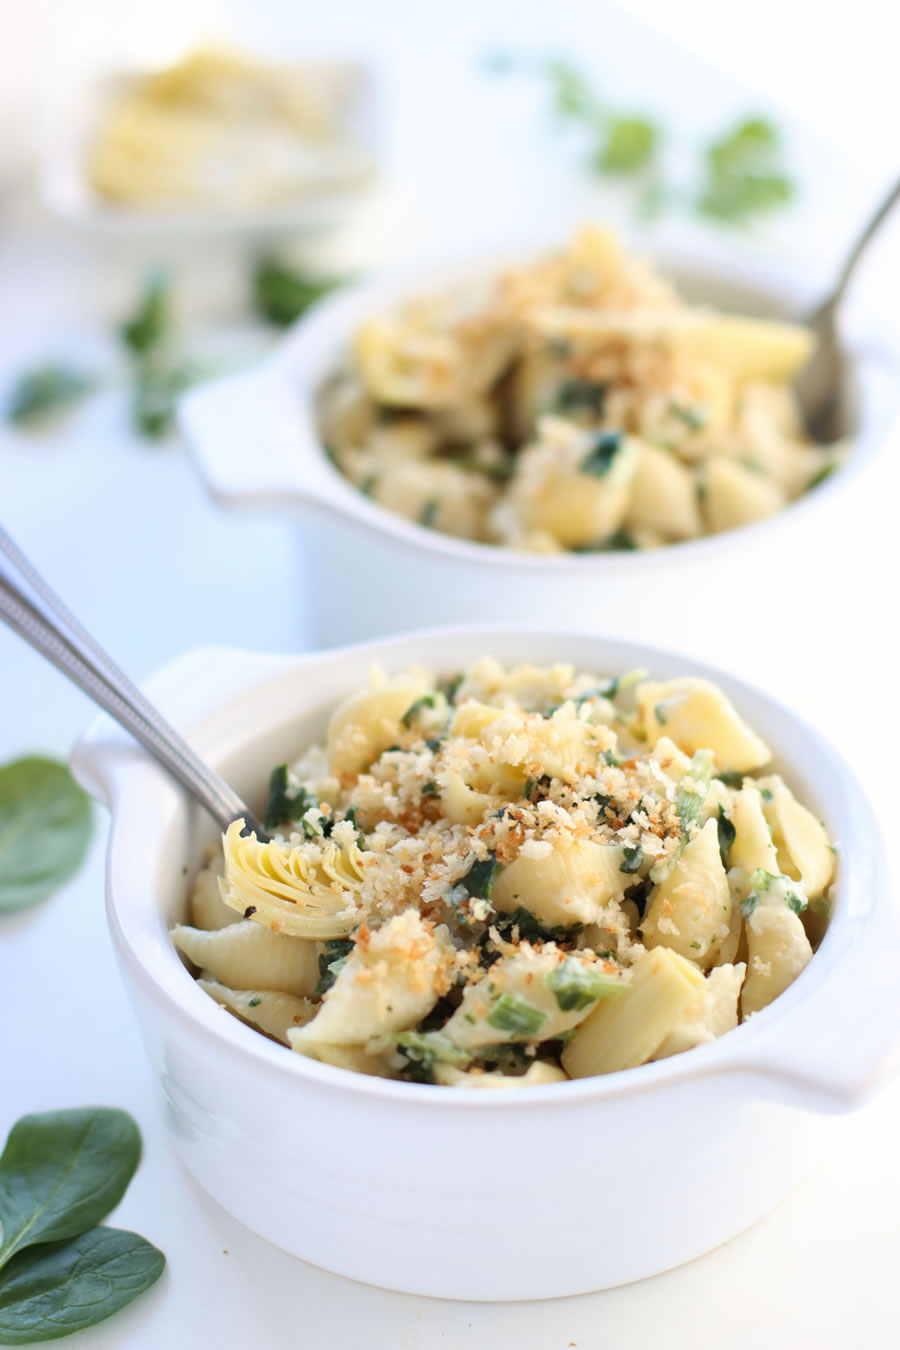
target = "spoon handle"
x: 37, y: 614
x: 849, y: 266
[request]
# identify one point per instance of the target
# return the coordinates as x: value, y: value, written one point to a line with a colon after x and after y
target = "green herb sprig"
x: 47, y: 392
x: 61, y: 1173
x: 739, y: 175
x: 281, y: 294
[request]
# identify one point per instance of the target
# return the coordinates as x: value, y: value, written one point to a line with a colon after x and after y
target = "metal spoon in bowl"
x: 34, y: 611
x: 821, y: 385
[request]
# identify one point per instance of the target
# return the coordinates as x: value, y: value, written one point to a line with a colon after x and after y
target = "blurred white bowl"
x: 256, y: 440
x: 76, y: 108
x: 476, y: 1195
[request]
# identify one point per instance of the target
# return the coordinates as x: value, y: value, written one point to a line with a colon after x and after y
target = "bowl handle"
x: 105, y: 754
x: 255, y: 442
x: 841, y: 1044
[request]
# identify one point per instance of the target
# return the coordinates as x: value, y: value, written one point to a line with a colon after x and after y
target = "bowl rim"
x: 313, y: 349
x: 140, y: 949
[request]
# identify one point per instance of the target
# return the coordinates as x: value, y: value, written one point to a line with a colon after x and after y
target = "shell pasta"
x: 513, y: 876
x: 573, y: 404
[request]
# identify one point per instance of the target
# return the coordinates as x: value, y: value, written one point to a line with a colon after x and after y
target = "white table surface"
x: 125, y: 533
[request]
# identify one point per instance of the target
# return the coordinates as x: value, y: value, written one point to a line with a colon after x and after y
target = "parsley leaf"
x: 631, y: 144
x: 743, y: 173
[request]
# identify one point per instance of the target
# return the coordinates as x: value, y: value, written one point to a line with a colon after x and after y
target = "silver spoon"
x: 821, y: 385
x: 34, y: 611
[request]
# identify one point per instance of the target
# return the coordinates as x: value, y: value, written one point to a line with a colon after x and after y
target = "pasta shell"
x: 778, y: 949
x: 247, y: 956
x: 269, y: 1011
x: 690, y: 911
x: 627, y: 1031
x: 389, y: 982
x: 569, y: 884
x: 365, y: 724
x: 696, y: 715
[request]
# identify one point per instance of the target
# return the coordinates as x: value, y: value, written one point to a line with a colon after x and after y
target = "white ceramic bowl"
x: 520, y: 1195
x: 256, y: 440
x: 75, y: 109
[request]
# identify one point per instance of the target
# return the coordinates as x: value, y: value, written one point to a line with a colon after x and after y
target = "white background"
x: 125, y: 533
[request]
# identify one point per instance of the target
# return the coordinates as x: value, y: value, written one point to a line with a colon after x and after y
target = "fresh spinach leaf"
x: 281, y: 293
x: 61, y: 1287
x: 150, y: 325
x: 43, y: 393
x: 479, y: 880
x: 45, y: 828
x: 61, y: 1172
x: 157, y: 386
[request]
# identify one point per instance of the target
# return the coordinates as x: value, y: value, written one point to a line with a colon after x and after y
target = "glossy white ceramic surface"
x: 545, y: 1192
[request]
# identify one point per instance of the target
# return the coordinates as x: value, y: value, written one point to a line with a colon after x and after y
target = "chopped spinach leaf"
x: 531, y: 930
x: 689, y: 804
x: 516, y: 1015
x: 283, y: 806
x: 632, y: 858
x: 430, y: 789
x: 599, y: 459
x: 578, y: 395
x: 730, y: 778
x: 478, y: 882
x: 691, y: 415
x: 450, y: 687
x: 576, y: 984
x: 820, y: 476
x: 412, y: 712
x: 331, y: 962
x: 727, y: 834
